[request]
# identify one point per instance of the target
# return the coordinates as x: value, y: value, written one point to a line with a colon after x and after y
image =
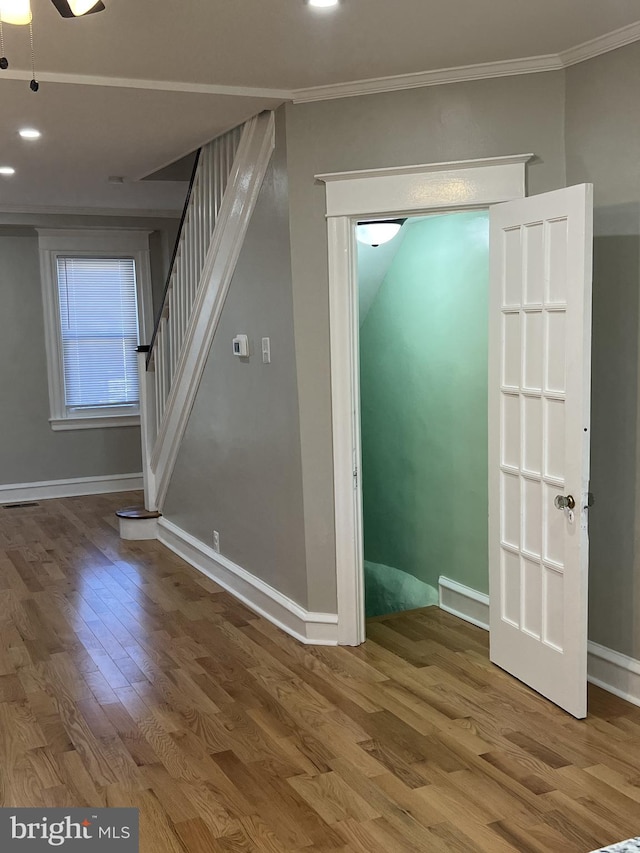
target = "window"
x: 95, y: 304
x: 99, y: 331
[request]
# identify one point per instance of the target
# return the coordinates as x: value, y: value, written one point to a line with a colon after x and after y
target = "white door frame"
x: 378, y: 193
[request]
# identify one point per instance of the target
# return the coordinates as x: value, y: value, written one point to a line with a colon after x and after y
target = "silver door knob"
x: 564, y: 502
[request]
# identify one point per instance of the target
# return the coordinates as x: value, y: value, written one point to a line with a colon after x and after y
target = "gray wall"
x: 29, y: 450
x: 603, y: 147
x: 238, y: 469
x: 512, y: 115
x: 583, y: 125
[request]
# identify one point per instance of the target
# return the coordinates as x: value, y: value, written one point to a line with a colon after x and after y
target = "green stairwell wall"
x: 423, y: 349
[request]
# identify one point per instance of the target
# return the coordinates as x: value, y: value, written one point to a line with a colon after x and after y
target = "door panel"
x: 539, y: 398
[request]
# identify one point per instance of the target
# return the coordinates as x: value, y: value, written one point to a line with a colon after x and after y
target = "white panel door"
x: 539, y: 397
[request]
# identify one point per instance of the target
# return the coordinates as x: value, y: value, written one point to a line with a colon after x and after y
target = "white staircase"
x: 224, y: 190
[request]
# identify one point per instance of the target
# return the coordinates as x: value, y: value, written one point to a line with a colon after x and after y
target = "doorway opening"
x: 351, y: 197
x: 423, y: 346
x: 538, y: 406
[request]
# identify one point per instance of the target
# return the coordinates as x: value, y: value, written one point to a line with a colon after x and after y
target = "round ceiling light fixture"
x: 7, y: 170
x: 323, y: 4
x: 378, y: 232
x: 29, y: 133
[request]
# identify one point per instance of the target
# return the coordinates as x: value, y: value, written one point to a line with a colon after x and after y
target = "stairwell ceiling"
x: 92, y: 133
x: 137, y: 119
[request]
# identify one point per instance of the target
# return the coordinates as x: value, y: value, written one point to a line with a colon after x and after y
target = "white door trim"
x: 350, y: 196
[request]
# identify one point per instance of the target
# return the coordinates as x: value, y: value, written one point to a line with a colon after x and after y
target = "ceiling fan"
x: 18, y: 12
x: 78, y: 8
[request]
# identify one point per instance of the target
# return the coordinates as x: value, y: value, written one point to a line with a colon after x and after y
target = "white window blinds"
x: 99, y: 331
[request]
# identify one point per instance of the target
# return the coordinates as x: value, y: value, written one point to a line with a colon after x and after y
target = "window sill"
x: 100, y: 422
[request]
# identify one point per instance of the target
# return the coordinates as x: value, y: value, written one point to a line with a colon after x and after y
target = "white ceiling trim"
x: 436, y: 77
x: 55, y: 210
x: 600, y: 45
x: 480, y: 71
x: 155, y: 85
x: 422, y: 79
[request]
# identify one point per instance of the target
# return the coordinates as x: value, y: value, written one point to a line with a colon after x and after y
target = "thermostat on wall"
x: 241, y: 346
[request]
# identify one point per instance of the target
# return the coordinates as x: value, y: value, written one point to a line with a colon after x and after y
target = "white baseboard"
x: 617, y: 673
x: 320, y: 629
x: 19, y: 492
x: 612, y: 671
x: 465, y: 602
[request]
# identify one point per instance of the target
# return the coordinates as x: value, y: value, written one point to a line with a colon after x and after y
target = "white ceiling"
x: 93, y: 132
x: 133, y: 123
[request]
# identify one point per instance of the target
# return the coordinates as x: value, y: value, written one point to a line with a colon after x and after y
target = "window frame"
x: 86, y: 243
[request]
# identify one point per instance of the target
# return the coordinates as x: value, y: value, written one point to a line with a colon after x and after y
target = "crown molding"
x: 154, y: 85
x: 44, y: 210
x: 600, y: 45
x: 437, y: 77
x: 481, y: 71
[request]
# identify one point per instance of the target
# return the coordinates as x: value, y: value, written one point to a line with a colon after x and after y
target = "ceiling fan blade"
x: 65, y: 9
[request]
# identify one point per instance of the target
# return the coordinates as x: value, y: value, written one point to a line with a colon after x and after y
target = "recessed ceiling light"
x: 29, y: 133
x: 323, y: 4
x: 7, y: 170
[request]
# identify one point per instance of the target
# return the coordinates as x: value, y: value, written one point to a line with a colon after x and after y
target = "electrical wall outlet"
x: 216, y: 541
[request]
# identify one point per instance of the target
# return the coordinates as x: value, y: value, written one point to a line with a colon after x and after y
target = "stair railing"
x: 208, y: 183
x: 224, y: 188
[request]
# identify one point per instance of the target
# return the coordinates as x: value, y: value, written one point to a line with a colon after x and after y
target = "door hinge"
x: 355, y: 478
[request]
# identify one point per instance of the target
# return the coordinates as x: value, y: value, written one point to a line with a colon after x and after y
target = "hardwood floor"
x: 127, y: 678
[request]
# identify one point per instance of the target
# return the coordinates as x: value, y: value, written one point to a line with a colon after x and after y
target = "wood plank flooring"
x: 127, y: 678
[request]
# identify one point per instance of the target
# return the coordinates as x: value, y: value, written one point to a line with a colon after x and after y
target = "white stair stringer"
x: 243, y: 187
